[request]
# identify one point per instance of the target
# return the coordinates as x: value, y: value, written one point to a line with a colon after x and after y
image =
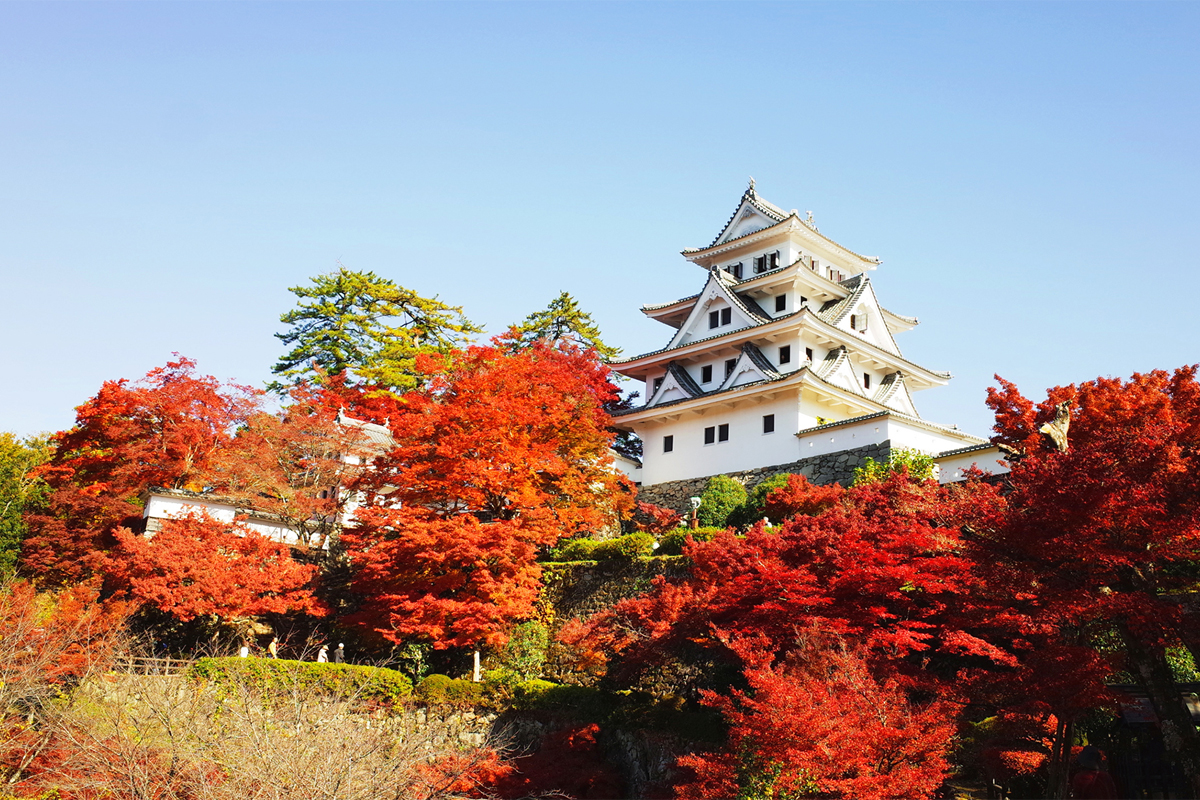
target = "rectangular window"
x: 768, y: 423
x: 657, y: 384
x: 816, y: 265
x: 726, y: 316
x: 866, y: 381
x: 736, y: 270
x: 668, y: 444
x: 730, y: 363
x: 723, y: 432
x: 781, y: 302
x: 710, y: 435
x: 785, y: 354
x: 714, y: 319
x: 804, y: 302
x: 853, y: 322
x: 808, y: 353
x: 760, y: 264
x: 706, y: 373
x: 773, y: 260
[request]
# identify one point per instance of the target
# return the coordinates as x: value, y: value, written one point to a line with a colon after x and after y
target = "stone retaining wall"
x: 830, y: 468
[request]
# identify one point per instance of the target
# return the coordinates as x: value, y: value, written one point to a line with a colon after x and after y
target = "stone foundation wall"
x: 830, y: 468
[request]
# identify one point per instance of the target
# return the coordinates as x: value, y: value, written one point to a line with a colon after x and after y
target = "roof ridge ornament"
x: 810, y: 222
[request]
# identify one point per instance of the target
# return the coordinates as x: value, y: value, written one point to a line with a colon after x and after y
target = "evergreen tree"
x: 20, y: 489
x: 368, y: 326
x: 562, y: 321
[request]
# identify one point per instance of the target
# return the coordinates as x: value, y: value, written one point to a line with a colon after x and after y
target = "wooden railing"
x: 141, y: 665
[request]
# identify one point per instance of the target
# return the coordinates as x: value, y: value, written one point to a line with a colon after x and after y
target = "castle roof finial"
x: 751, y: 189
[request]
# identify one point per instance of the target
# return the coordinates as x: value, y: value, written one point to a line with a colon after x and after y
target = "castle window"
x: 785, y: 354
x: 714, y: 319
x: 736, y: 270
x: 816, y: 265
x: 808, y: 353
x: 710, y: 434
x: 781, y: 302
x: 766, y: 262
x: 726, y: 316
x: 866, y: 380
x: 657, y: 385
x: 706, y: 373
x: 804, y: 302
x: 768, y: 423
x: 723, y: 432
x: 730, y: 363
x: 859, y: 322
x: 853, y: 322
x: 668, y: 444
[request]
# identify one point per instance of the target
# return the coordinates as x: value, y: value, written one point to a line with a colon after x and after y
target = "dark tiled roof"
x: 963, y: 450
x: 759, y: 360
x: 769, y: 210
x: 684, y: 379
x: 842, y: 422
x: 777, y: 376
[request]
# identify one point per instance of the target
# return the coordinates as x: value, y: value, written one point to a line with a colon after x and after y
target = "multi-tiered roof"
x: 784, y: 309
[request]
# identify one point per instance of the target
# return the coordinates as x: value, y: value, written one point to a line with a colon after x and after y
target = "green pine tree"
x: 368, y: 326
x: 563, y: 321
x: 20, y: 491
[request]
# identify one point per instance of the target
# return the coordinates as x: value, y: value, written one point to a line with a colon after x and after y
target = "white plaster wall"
x: 953, y: 468
x: 845, y: 437
x: 927, y: 441
x: 748, y: 447
x: 158, y: 507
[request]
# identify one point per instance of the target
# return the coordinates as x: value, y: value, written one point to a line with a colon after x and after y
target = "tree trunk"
x: 1060, y: 760
x: 1180, y: 738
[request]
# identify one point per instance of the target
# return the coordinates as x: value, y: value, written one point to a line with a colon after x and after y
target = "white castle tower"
x: 785, y: 359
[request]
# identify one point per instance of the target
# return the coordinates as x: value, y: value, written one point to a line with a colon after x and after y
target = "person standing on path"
x: 339, y: 655
x: 273, y: 647
x: 323, y: 655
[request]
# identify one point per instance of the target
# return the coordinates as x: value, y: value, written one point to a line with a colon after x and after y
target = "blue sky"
x: 1027, y: 172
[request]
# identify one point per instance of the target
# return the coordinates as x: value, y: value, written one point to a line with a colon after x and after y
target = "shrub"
x: 630, y: 545
x: 443, y: 690
x: 755, y: 507
x: 525, y: 653
x: 272, y: 676
x: 721, y: 498
x: 919, y: 465
x: 574, y: 550
x: 672, y: 544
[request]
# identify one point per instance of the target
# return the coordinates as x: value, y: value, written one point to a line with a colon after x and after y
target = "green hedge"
x: 443, y: 690
x: 349, y: 681
x: 631, y: 545
x: 673, y: 542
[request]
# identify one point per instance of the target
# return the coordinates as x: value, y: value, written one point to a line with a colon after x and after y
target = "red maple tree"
x: 821, y: 724
x: 1102, y: 536
x: 160, y: 431
x: 197, y: 565
x: 502, y: 454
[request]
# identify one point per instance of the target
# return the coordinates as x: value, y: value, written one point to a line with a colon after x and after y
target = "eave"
x: 790, y: 224
x: 640, y: 366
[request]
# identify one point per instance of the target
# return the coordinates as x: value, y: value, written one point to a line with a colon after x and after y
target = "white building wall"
x: 748, y: 447
x: 953, y: 468
x: 159, y: 507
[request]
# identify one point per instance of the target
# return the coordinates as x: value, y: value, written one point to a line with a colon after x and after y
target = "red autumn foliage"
x: 502, y: 454
x: 48, y: 643
x: 568, y: 763
x: 160, y: 431
x: 1101, y: 536
x: 197, y: 565
x: 820, y: 724
x: 654, y: 519
x: 799, y: 497
x: 885, y: 567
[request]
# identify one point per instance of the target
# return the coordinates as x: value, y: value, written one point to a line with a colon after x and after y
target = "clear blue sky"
x: 1027, y: 172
